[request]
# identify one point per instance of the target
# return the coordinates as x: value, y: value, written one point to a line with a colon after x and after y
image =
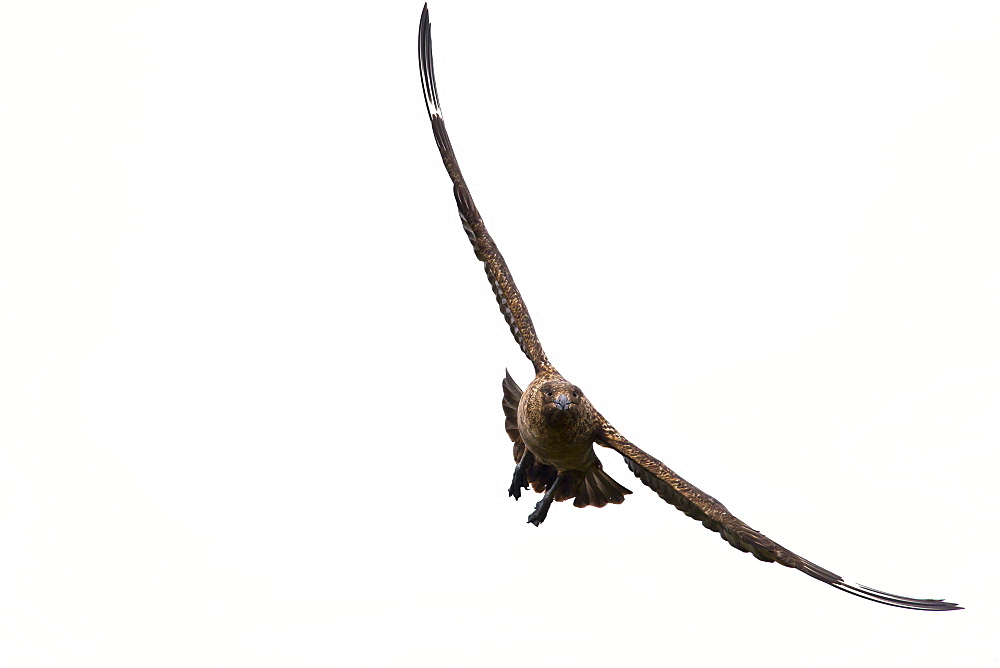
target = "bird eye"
x: 548, y: 393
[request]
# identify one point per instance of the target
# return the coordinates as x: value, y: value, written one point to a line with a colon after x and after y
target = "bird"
x: 554, y: 426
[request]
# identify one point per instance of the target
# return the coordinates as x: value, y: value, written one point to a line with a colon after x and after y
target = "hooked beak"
x: 562, y: 402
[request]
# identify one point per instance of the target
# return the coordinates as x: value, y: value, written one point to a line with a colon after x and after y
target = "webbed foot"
x: 520, y: 479
x: 537, y: 516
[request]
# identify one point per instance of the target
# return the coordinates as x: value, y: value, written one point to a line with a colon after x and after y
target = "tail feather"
x: 511, y: 398
x: 599, y: 489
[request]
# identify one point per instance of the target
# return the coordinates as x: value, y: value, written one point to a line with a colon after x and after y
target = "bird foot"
x: 519, y: 482
x: 538, y: 515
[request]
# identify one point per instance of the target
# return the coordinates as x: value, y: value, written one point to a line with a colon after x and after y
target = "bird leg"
x: 520, y: 480
x: 542, y: 507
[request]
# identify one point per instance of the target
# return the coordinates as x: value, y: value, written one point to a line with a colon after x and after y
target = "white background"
x: 250, y: 384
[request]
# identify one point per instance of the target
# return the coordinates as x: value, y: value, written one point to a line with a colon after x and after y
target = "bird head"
x: 561, y: 400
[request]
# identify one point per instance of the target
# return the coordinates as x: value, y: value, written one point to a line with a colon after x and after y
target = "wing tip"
x: 895, y: 600
x: 425, y: 55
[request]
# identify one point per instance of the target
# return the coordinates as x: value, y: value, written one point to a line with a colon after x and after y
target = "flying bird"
x: 554, y: 426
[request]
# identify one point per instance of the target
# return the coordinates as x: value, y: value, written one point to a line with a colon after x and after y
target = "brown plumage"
x: 554, y: 426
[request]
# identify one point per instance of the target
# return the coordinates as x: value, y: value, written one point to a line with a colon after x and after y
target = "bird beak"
x: 562, y: 402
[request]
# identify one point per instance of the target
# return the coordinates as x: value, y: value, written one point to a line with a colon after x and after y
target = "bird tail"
x: 598, y: 489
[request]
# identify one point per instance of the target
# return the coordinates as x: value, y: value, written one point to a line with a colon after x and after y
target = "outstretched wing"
x: 695, y: 503
x: 509, y: 299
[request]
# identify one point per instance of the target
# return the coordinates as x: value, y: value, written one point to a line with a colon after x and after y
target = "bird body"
x: 554, y: 427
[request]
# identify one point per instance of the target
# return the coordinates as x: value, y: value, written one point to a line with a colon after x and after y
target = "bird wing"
x: 695, y: 503
x: 510, y: 301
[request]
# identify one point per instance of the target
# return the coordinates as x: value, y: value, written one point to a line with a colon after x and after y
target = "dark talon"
x: 537, y: 517
x: 542, y: 507
x: 520, y: 480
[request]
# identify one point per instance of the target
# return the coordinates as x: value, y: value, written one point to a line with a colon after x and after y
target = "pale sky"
x: 250, y: 373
